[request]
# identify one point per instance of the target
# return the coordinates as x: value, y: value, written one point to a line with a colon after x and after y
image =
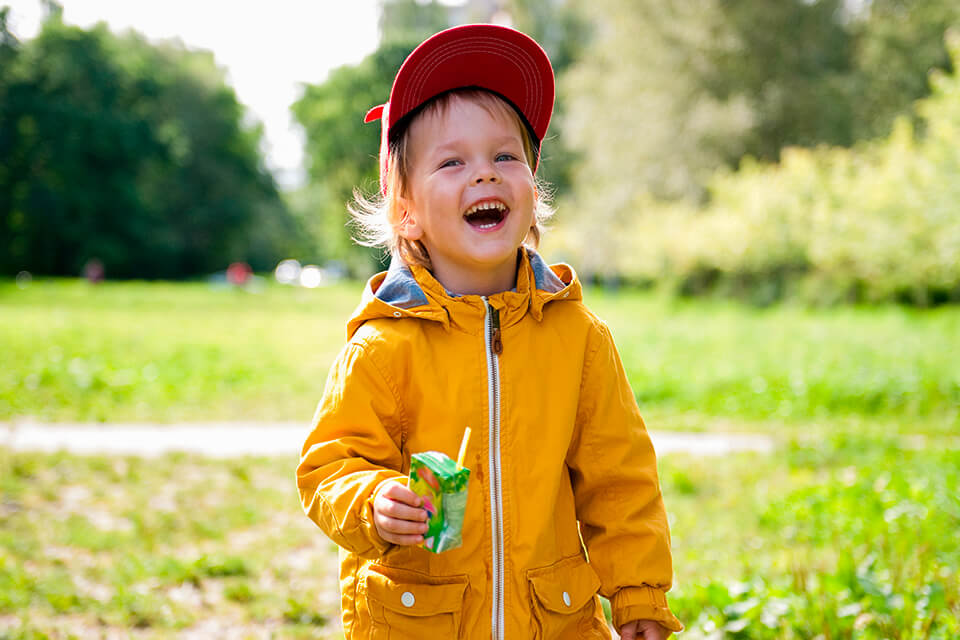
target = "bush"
x: 873, y: 223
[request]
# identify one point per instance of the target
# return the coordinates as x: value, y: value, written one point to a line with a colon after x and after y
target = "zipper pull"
x: 495, y: 334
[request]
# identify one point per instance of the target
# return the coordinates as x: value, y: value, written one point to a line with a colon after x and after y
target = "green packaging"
x: 443, y: 486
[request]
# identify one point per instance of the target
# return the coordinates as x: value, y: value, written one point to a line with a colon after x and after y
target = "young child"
x: 469, y: 327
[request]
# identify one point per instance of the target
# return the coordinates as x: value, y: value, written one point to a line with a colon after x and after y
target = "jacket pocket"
x: 410, y: 605
x: 564, y: 602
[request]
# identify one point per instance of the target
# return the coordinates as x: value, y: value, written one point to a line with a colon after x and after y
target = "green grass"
x: 847, y: 531
x: 844, y: 537
x: 840, y: 537
x: 787, y: 363
x: 96, y: 544
x: 167, y: 352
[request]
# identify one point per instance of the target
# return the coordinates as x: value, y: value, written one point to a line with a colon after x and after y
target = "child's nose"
x: 487, y: 174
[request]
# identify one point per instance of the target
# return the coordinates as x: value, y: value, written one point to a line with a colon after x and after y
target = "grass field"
x: 851, y: 538
x: 848, y: 531
x: 169, y: 352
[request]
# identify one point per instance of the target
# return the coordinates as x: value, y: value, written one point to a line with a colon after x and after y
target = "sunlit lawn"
x: 90, y: 545
x: 843, y: 538
x: 849, y: 530
x: 166, y: 352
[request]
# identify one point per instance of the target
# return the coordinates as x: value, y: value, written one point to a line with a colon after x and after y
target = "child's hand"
x: 398, y: 514
x: 645, y: 629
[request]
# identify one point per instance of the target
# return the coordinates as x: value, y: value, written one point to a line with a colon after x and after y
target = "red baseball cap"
x: 487, y: 56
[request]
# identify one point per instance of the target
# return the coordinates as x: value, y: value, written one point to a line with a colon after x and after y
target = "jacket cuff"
x: 642, y: 603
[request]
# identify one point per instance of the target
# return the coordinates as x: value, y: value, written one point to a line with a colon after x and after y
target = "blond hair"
x: 376, y: 218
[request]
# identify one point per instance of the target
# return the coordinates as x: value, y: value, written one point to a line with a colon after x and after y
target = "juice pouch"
x: 443, y: 486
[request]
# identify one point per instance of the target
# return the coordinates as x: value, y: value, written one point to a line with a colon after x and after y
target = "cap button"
x: 566, y: 598
x: 407, y: 599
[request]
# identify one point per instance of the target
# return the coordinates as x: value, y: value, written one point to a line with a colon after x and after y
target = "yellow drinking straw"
x: 463, y: 448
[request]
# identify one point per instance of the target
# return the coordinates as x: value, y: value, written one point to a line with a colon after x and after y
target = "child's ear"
x: 408, y: 228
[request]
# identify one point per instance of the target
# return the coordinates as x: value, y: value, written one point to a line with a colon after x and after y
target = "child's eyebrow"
x: 457, y: 143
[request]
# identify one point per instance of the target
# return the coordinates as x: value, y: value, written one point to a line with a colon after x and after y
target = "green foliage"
x: 873, y: 223
x: 848, y: 539
x: 342, y: 150
x: 403, y: 22
x: 131, y: 153
x: 896, y: 45
x: 565, y: 34
x: 642, y: 121
x: 669, y: 92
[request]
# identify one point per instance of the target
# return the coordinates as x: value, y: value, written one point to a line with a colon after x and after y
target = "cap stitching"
x: 523, y: 62
x: 476, y: 45
x: 531, y: 84
x: 460, y: 43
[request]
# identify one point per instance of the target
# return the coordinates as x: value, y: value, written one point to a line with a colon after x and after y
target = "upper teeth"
x: 486, y: 205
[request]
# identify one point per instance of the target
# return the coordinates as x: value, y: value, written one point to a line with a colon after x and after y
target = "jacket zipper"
x: 494, y: 347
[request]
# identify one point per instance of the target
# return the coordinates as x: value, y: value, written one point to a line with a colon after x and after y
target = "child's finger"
x: 402, y: 540
x: 393, y: 525
x: 402, y: 532
x: 395, y: 509
x: 400, y: 493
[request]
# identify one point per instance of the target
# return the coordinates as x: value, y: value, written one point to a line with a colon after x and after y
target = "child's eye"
x: 452, y: 162
x: 505, y: 157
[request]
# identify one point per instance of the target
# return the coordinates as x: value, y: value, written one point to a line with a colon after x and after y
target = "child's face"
x: 463, y: 158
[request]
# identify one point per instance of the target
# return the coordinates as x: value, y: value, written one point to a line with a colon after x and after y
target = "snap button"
x: 407, y: 599
x: 397, y: 314
x: 566, y: 293
x: 566, y: 598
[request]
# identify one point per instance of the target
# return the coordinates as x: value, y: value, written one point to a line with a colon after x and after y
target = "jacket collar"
x: 412, y: 291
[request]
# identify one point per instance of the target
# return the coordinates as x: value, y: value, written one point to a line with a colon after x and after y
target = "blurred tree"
x: 791, y: 61
x: 7, y: 39
x: 896, y: 45
x: 411, y: 21
x: 641, y: 120
x: 559, y: 26
x: 130, y: 153
x: 52, y: 9
x: 210, y: 189
x: 564, y: 33
x: 71, y: 149
x: 342, y: 151
x: 669, y: 91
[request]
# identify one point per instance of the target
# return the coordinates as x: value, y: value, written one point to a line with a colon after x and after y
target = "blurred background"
x: 762, y: 198
x: 800, y: 149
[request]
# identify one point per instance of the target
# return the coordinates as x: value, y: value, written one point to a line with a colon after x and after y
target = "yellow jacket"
x: 562, y: 468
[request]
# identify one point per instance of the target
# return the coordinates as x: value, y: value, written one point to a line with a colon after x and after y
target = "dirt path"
x: 270, y: 439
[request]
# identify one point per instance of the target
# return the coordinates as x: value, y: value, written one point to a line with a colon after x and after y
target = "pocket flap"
x: 415, y: 594
x: 566, y: 586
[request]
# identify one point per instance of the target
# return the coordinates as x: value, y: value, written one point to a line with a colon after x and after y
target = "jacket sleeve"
x: 617, y: 492
x: 352, y: 449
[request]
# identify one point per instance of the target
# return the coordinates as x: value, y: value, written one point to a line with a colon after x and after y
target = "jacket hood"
x: 411, y: 291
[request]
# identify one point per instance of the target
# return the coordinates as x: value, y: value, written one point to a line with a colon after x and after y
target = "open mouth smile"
x: 486, y: 215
